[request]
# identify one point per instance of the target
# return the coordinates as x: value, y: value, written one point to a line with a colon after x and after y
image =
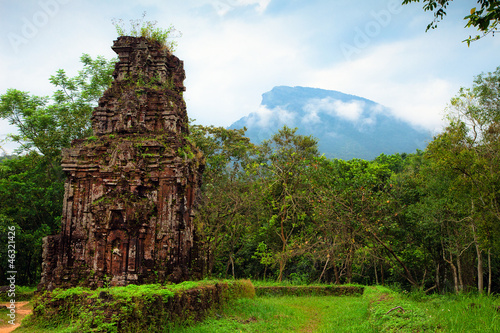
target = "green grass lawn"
x: 367, y: 313
x: 289, y: 314
x: 371, y: 312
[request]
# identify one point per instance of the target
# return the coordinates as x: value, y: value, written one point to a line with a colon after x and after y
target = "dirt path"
x: 21, y: 312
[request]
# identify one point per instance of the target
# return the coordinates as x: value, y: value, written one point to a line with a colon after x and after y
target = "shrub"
x: 149, y: 30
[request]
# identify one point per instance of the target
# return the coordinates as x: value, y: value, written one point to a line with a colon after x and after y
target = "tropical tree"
x: 47, y: 125
x: 286, y: 193
x: 485, y: 16
x: 226, y: 211
x: 31, y: 202
x: 470, y: 148
x: 31, y: 184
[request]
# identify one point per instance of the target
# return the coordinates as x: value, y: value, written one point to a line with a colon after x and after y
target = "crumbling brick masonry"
x: 131, y: 188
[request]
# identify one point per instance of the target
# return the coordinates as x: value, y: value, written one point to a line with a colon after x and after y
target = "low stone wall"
x: 149, y: 308
x: 309, y: 291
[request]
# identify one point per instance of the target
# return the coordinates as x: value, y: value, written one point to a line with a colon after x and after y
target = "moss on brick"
x: 144, y: 308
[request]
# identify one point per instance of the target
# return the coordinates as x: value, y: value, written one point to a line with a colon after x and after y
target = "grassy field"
x: 368, y: 313
x: 379, y: 309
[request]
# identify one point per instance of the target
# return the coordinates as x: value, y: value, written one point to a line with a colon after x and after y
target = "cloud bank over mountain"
x: 346, y: 126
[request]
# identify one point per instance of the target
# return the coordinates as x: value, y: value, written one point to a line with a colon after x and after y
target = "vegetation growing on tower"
x: 149, y: 30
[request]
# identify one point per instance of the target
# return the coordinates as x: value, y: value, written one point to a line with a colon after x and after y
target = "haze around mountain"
x: 347, y: 126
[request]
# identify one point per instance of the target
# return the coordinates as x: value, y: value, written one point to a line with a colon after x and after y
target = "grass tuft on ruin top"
x: 149, y: 30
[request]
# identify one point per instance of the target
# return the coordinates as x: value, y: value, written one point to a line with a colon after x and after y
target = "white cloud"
x: 351, y: 110
x: 348, y: 110
x: 269, y: 118
x: 222, y: 7
x: 356, y: 111
x: 229, y: 66
x: 311, y: 114
x: 234, y: 57
x: 393, y: 75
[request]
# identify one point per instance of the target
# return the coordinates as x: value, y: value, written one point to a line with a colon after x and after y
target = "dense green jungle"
x: 279, y: 210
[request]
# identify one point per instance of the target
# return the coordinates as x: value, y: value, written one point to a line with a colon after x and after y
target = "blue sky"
x: 235, y: 50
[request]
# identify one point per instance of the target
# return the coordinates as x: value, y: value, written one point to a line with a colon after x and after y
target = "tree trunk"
x: 489, y: 271
x: 455, y: 275
x: 230, y: 262
x: 407, y: 274
x: 375, y: 269
x: 438, y: 285
x: 460, y: 279
x: 348, y: 269
x: 282, y: 263
x: 337, y: 277
x: 454, y: 270
x: 283, y: 237
x: 382, y: 274
x: 209, y: 272
x: 480, y: 273
x: 232, y: 265
x: 324, y: 268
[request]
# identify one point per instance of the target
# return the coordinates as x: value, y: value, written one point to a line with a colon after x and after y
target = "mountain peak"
x: 347, y: 126
x: 280, y: 95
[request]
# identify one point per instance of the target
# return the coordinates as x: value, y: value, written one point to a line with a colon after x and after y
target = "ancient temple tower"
x: 132, y: 186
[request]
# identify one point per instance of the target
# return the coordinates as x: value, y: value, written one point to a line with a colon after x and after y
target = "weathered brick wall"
x: 131, y: 187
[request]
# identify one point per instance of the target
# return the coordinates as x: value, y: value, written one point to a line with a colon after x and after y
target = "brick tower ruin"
x: 132, y: 186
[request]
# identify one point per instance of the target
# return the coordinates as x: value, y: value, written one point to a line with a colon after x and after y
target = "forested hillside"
x: 279, y: 210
